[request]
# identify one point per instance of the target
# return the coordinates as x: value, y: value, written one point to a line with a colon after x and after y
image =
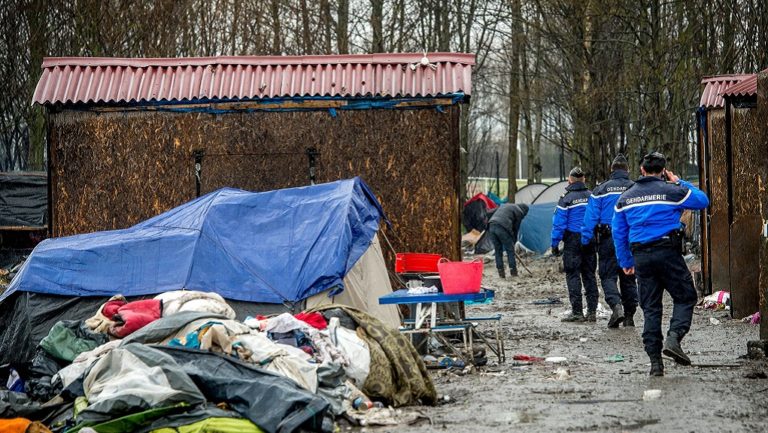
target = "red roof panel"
x: 109, y: 80
x: 746, y: 87
x: 715, y: 86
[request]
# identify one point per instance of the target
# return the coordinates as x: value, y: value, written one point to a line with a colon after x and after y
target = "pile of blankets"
x: 182, y: 362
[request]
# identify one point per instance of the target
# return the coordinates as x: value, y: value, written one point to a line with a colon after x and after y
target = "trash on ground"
x: 556, y: 359
x: 714, y: 321
x: 720, y: 300
x: 752, y: 319
x: 562, y: 373
x: 527, y: 358
x: 615, y: 358
x: 651, y: 394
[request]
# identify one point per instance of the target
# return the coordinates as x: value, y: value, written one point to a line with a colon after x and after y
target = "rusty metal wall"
x: 112, y: 170
x: 761, y: 166
x: 719, y: 228
x: 746, y: 149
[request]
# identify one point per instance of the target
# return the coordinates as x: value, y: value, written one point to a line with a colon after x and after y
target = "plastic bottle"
x: 362, y: 403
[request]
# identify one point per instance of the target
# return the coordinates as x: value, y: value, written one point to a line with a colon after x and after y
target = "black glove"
x: 556, y: 251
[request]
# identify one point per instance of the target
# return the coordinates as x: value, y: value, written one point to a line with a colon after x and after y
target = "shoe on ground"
x: 673, y: 350
x: 629, y: 320
x: 573, y: 317
x: 591, y: 316
x: 513, y: 273
x: 617, y: 316
x: 501, y: 273
x: 657, y: 367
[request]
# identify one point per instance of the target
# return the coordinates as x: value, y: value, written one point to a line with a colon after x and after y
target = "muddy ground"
x: 598, y: 396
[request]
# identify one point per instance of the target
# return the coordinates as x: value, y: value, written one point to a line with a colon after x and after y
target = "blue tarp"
x: 536, y: 228
x: 270, y: 247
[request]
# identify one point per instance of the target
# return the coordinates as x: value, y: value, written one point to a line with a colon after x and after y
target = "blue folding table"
x: 465, y: 325
x: 403, y: 297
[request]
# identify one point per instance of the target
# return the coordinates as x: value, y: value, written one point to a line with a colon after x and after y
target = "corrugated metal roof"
x: 113, y: 80
x: 746, y: 87
x: 714, y: 86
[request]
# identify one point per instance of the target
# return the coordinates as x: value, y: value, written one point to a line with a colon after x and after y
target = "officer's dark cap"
x: 576, y: 172
x: 654, y: 162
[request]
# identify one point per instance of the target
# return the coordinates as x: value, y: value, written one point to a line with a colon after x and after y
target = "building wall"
x: 761, y: 167
x: 719, y: 229
x: 113, y: 169
x: 746, y: 224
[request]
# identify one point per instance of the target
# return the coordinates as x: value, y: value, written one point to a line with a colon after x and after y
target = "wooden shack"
x: 730, y: 149
x: 761, y: 166
x: 131, y: 138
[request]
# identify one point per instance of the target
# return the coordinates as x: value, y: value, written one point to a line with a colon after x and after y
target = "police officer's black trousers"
x: 663, y: 268
x: 580, y: 265
x: 609, y: 271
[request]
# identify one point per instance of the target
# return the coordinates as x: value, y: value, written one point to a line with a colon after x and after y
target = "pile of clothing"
x: 182, y: 362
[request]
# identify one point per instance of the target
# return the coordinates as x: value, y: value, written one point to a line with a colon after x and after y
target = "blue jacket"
x: 649, y: 210
x: 602, y: 202
x: 569, y: 213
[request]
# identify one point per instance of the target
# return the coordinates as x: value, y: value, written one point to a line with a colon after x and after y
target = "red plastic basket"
x: 460, y: 277
x: 416, y: 262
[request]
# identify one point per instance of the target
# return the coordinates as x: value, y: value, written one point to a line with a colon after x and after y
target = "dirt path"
x: 529, y: 398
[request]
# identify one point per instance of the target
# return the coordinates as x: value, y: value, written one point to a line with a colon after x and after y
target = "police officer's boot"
x: 573, y: 317
x: 591, y: 316
x: 617, y: 316
x: 673, y: 350
x: 629, y: 319
x: 501, y: 273
x: 657, y: 366
x: 512, y: 272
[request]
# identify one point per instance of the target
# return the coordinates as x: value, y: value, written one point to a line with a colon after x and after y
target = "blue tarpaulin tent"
x: 271, y: 247
x: 536, y: 228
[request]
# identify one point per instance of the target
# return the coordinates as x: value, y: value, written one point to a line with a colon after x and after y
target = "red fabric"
x: 315, y: 320
x: 527, y: 358
x: 135, y: 315
x: 489, y: 204
x: 110, y: 308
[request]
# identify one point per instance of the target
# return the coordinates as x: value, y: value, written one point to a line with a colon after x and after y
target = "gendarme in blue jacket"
x: 569, y: 214
x: 649, y: 210
x: 602, y: 203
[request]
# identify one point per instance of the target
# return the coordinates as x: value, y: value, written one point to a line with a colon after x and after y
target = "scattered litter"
x: 583, y: 340
x: 615, y: 358
x: 547, y: 301
x: 753, y: 319
x: 719, y: 300
x: 556, y: 359
x: 651, y: 394
x: 528, y: 358
x: 421, y: 290
x: 387, y: 417
x: 714, y: 321
x: 562, y: 373
x: 443, y: 362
